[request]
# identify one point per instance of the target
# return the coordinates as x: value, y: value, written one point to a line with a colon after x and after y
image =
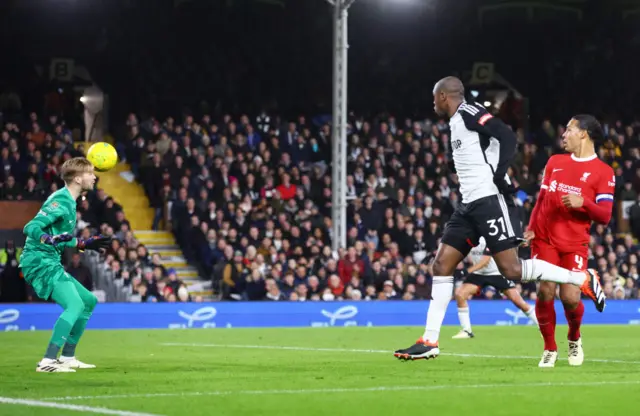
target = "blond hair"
x: 74, y: 167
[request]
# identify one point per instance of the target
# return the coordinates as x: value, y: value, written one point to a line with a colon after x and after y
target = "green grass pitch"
x: 323, y: 371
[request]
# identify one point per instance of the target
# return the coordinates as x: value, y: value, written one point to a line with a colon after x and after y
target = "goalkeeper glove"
x: 53, y: 240
x: 96, y: 243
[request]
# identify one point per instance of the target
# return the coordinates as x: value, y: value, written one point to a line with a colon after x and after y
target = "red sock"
x: 574, y: 319
x: 546, y: 314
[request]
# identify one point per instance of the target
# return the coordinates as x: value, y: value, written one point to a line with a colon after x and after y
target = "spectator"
x: 227, y: 275
x: 81, y: 272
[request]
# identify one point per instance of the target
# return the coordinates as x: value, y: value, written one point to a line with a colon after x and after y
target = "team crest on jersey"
x: 585, y: 176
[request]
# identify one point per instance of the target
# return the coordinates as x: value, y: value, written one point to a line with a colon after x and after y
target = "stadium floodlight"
x: 339, y: 125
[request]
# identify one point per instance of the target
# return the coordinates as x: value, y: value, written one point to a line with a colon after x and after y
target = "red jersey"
x: 564, y: 228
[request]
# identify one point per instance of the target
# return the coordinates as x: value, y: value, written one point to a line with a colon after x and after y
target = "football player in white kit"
x: 484, y: 272
x: 483, y: 148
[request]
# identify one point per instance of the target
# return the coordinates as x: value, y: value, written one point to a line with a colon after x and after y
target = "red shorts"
x: 574, y: 261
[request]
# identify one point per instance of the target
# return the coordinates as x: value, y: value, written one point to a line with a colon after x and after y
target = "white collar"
x: 583, y: 159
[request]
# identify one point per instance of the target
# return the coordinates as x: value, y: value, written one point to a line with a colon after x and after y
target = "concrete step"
x: 174, y: 264
x: 157, y: 241
x: 153, y: 233
x: 168, y: 253
x: 207, y: 295
x: 162, y: 247
x: 187, y: 268
x: 172, y: 259
x: 191, y: 274
x: 154, y: 237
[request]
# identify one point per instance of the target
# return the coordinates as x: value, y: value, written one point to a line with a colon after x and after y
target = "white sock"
x: 537, y: 270
x: 465, y: 319
x: 441, y: 294
x: 531, y: 314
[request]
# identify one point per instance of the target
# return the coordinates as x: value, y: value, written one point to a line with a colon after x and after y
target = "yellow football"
x: 102, y: 156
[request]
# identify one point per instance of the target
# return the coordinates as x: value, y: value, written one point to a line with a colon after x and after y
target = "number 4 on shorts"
x: 579, y: 263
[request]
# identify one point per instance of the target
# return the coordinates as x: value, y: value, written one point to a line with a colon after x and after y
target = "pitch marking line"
x: 86, y: 409
x: 280, y: 347
x: 347, y: 390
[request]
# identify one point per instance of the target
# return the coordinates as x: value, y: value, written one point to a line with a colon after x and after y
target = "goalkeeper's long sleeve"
x: 36, y: 227
x: 44, y: 219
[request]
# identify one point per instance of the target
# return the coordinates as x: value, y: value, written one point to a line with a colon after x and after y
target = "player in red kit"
x: 577, y: 189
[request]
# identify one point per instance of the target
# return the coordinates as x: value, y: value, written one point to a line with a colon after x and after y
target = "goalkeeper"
x: 48, y: 234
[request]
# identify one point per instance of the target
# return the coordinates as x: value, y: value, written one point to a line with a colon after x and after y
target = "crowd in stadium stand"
x: 249, y: 201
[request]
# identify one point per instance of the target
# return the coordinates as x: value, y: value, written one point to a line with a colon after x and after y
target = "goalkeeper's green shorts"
x: 43, y: 274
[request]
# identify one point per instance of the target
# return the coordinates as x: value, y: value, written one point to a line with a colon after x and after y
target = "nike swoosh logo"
x: 556, y: 170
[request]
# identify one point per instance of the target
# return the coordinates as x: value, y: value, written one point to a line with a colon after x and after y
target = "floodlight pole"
x: 339, y: 125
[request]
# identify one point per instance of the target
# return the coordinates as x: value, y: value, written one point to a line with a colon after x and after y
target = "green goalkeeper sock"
x: 60, y: 334
x: 69, y: 349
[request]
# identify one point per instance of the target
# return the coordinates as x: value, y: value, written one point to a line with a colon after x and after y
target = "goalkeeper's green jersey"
x: 56, y: 216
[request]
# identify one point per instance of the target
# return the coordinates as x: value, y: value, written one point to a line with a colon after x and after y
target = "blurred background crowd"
x: 231, y: 139
x: 249, y: 200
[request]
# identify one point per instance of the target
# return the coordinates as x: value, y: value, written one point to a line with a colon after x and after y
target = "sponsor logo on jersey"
x: 556, y: 170
x: 456, y: 144
x: 54, y: 204
x: 563, y: 187
x: 585, y: 176
x: 613, y: 181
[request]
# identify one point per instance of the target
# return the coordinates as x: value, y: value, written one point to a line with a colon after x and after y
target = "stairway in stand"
x: 120, y: 184
x: 163, y: 243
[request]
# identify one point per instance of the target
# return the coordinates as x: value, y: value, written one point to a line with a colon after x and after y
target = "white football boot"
x: 576, y: 354
x: 73, y: 362
x: 548, y: 359
x: 48, y: 365
x: 463, y: 334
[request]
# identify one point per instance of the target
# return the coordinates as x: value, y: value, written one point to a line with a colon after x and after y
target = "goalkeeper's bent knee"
x: 73, y: 310
x: 89, y: 303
